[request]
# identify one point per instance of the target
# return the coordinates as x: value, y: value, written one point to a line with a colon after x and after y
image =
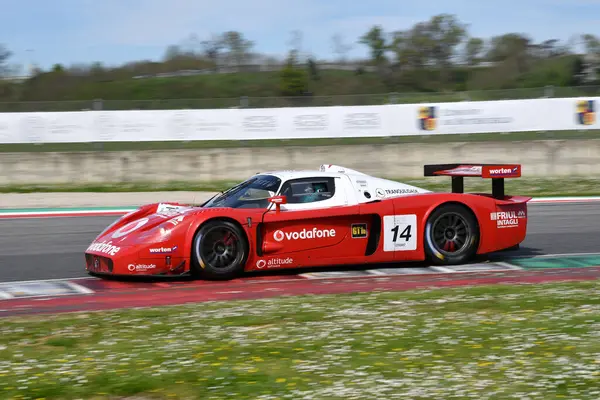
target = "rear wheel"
x: 219, y: 251
x: 451, y: 235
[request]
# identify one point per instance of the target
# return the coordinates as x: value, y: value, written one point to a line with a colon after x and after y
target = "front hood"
x: 153, y: 223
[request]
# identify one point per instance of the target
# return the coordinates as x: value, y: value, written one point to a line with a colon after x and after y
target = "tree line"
x: 434, y: 55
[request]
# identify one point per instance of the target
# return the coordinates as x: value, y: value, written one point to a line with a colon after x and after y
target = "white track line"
x: 46, y: 280
x: 5, y: 295
x: 79, y: 288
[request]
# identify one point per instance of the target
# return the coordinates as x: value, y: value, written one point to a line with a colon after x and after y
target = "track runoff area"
x: 82, y: 293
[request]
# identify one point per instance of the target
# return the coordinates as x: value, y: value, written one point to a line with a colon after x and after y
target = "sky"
x: 118, y: 31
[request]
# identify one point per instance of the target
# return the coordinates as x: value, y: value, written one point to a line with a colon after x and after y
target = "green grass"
x: 494, y: 342
x: 226, y: 144
x: 526, y: 186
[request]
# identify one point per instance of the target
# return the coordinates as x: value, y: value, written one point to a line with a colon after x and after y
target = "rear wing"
x: 496, y: 172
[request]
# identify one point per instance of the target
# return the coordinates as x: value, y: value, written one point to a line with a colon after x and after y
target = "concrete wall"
x: 539, y: 158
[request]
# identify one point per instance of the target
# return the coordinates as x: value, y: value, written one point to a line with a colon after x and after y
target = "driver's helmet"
x: 309, y: 194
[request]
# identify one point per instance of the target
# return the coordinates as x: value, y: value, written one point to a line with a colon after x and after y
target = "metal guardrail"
x: 307, y: 101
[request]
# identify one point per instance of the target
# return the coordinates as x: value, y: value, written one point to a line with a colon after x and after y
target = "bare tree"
x: 295, y: 44
x: 4, y: 56
x: 212, y: 49
x: 340, y: 48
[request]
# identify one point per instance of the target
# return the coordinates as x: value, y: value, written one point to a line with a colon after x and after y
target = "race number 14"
x: 400, y: 232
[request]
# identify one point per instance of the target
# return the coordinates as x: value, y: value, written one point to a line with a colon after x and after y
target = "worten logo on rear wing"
x: 507, y: 171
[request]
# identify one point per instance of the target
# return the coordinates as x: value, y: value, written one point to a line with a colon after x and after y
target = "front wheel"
x: 451, y: 235
x: 219, y: 251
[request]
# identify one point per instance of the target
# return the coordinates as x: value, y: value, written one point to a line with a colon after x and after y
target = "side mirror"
x: 278, y: 201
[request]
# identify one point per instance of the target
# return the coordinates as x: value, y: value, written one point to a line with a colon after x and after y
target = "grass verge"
x: 567, y: 186
x: 495, y: 342
x: 217, y: 144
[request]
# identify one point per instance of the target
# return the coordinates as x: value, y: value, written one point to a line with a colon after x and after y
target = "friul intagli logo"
x: 507, y: 219
x: 315, y: 233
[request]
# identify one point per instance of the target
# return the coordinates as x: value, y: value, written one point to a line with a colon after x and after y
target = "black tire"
x: 451, y: 235
x: 219, y: 251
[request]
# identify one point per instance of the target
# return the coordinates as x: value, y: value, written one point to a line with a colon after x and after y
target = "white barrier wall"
x: 293, y: 123
x: 542, y: 158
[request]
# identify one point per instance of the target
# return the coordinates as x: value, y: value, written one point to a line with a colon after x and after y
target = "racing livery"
x: 327, y: 217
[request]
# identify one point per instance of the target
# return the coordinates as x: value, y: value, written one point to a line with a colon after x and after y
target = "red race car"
x: 328, y: 217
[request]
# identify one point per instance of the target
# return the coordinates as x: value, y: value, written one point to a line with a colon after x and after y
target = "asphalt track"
x: 52, y: 248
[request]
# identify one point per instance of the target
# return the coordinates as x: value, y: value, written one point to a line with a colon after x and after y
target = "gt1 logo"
x: 400, y: 232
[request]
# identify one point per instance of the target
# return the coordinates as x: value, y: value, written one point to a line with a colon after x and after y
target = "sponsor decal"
x: 502, y: 172
x: 586, y: 112
x: 507, y: 219
x: 274, y: 262
x: 432, y: 117
x: 169, y: 209
x: 104, y: 247
x: 175, y: 221
x: 382, y: 193
x: 400, y: 191
x: 311, y: 122
x: 362, y: 183
x: 427, y: 118
x: 259, y: 123
x: 163, y: 250
x: 359, y: 231
x: 315, y: 233
x: 140, y: 267
x: 130, y: 227
x: 362, y: 121
x: 474, y: 170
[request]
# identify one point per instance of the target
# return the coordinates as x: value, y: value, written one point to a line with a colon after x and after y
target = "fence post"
x: 548, y: 91
x: 244, y: 102
x: 97, y: 105
x: 392, y: 97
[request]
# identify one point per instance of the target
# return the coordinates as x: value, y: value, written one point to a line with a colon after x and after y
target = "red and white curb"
x: 42, y: 288
x: 77, y: 286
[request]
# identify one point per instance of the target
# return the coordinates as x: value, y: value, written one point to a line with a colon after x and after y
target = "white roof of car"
x: 325, y: 170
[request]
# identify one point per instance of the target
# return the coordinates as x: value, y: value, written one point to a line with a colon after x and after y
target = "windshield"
x: 253, y: 193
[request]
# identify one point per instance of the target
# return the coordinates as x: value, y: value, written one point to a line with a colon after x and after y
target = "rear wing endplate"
x: 496, y: 172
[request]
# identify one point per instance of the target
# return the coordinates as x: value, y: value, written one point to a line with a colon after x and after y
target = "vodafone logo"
x: 278, y: 236
x: 130, y: 227
x: 315, y: 233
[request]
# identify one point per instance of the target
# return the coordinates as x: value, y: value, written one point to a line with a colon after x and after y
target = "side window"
x: 310, y: 190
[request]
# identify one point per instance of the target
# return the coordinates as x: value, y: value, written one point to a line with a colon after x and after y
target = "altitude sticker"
x: 359, y: 231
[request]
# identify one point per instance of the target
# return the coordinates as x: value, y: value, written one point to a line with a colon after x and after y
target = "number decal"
x: 400, y: 232
x: 404, y: 235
